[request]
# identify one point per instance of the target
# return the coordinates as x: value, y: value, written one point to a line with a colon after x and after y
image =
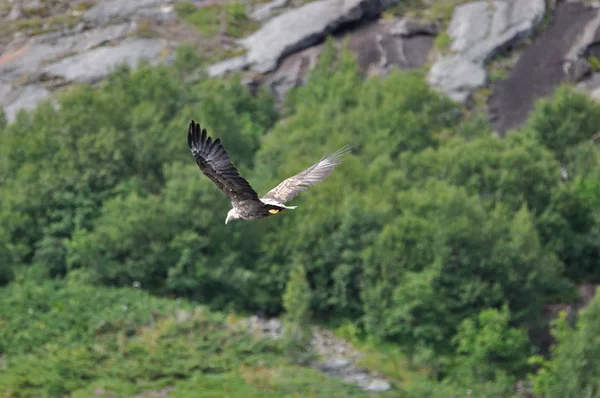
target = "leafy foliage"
x: 573, y: 369
x: 565, y: 120
x: 297, y: 328
x: 214, y: 19
x: 488, y: 346
x: 452, y: 259
x: 69, y: 338
x: 83, y: 180
x: 433, y: 236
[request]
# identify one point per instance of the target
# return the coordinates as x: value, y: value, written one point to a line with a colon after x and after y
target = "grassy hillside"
x: 67, y: 338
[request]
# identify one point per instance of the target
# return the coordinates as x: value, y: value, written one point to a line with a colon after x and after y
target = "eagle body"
x: 253, y: 210
x: 214, y: 162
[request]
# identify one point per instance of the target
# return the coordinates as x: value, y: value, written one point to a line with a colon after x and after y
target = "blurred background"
x: 455, y: 251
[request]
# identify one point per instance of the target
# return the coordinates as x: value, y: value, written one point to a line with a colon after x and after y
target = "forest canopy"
x: 433, y: 235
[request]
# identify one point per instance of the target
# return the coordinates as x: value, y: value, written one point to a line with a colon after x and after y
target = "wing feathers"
x: 214, y: 162
x: 316, y: 173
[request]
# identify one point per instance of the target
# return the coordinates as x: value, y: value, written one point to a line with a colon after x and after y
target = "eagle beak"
x: 229, y: 217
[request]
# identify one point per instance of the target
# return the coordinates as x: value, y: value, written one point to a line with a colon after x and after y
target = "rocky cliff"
x: 497, y: 54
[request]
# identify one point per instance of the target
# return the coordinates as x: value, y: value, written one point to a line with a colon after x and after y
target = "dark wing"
x: 316, y: 173
x: 215, y: 164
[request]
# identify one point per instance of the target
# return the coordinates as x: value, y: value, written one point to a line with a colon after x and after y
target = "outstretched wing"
x: 316, y: 173
x: 214, y: 162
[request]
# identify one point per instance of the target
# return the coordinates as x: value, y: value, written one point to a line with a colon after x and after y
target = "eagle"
x: 214, y: 163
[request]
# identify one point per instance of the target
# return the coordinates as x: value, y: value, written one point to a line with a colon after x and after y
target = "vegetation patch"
x: 145, y: 28
x: 37, y: 23
x: 594, y: 63
x: 229, y: 18
x: 84, y: 5
x: 443, y: 41
x: 440, y: 11
x: 449, y: 247
x: 69, y: 338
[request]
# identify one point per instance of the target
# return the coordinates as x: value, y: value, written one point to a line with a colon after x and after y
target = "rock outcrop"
x: 111, y: 11
x: 15, y: 98
x: 92, y: 42
x: 479, y: 30
x: 337, y: 357
x: 265, y: 11
x: 94, y: 65
x: 378, y: 47
x: 304, y: 26
x: 104, y: 37
x: 553, y: 57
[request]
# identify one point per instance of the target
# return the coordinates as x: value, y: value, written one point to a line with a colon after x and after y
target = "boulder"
x: 378, y: 385
x: 335, y: 365
x: 479, y: 30
x: 302, y: 27
x: 456, y: 77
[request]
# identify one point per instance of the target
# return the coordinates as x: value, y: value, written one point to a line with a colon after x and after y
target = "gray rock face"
x: 591, y: 86
x: 29, y: 57
x: 378, y: 385
x: 302, y: 27
x: 541, y: 67
x: 338, y: 356
x: 588, y: 36
x: 377, y: 46
x: 91, y: 66
x: 31, y: 67
x: 229, y: 65
x: 264, y: 11
x: 478, y: 31
x: 14, y: 98
x: 576, y: 65
x: 410, y: 28
x: 336, y: 364
x: 456, y: 77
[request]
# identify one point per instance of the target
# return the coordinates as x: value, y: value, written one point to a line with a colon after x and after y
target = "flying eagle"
x: 214, y: 162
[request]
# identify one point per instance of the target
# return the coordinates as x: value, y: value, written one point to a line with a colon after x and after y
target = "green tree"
x: 172, y: 242
x: 513, y: 171
x: 489, y: 348
x: 445, y: 258
x: 297, y: 334
x: 67, y: 169
x: 564, y: 120
x: 573, y: 369
x: 337, y: 220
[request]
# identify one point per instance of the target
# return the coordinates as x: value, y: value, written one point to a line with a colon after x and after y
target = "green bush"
x: 445, y: 258
x: 573, y: 368
x: 564, y: 120
x: 297, y: 334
